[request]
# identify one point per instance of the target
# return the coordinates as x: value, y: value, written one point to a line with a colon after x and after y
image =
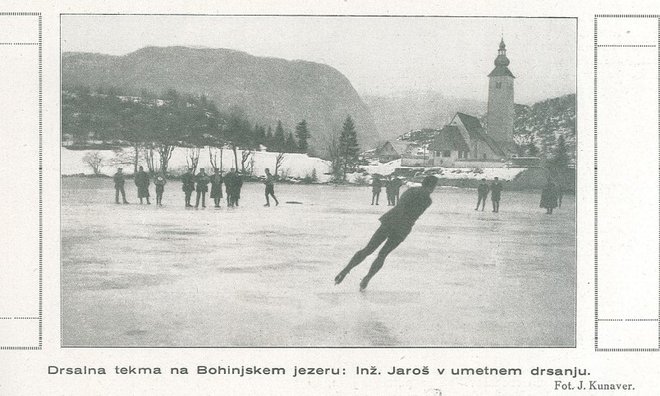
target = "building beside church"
x: 465, y: 140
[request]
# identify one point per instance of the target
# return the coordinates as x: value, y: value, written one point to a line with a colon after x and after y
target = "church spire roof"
x: 501, y: 62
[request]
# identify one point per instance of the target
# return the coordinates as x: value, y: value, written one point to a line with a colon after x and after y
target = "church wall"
x: 501, y: 110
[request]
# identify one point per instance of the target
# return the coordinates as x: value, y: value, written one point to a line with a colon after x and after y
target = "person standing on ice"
x: 270, y: 188
x: 119, y: 186
x: 142, y: 183
x: 376, y: 187
x: 549, y: 198
x: 188, y: 185
x: 238, y: 180
x: 396, y: 188
x: 482, y: 191
x: 230, y: 183
x: 216, y: 187
x: 160, y: 182
x: 395, y: 225
x: 389, y: 191
x: 202, y: 180
x: 496, y: 193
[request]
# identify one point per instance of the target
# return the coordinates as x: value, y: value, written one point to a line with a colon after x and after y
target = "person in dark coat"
x: 238, y: 185
x: 395, y: 225
x: 376, y: 187
x: 270, y: 188
x: 496, y: 194
x: 216, y: 187
x: 188, y: 185
x: 230, y: 186
x: 119, y: 186
x: 549, y: 198
x: 142, y: 183
x: 160, y: 182
x: 389, y: 191
x: 482, y: 191
x: 202, y: 180
x: 396, y: 187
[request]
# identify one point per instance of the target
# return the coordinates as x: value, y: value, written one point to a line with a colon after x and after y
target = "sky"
x: 379, y: 55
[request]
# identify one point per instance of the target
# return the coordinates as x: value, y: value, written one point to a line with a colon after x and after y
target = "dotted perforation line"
x: 7, y: 348
x: 659, y: 177
x: 20, y: 13
x: 19, y: 317
x: 627, y: 45
x: 41, y: 225
x: 596, y: 183
x: 629, y: 320
x: 19, y: 43
x: 628, y: 350
x: 627, y: 16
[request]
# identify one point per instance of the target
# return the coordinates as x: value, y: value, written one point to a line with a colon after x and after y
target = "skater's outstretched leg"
x: 388, y: 247
x: 379, y: 236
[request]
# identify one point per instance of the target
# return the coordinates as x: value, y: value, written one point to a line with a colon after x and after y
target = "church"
x: 465, y: 141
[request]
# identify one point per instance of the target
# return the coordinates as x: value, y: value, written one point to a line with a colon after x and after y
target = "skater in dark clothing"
x: 389, y: 191
x: 496, y: 192
x: 216, y: 187
x: 230, y: 186
x: 560, y: 194
x: 482, y: 190
x: 188, y: 185
x: 160, y: 182
x: 270, y: 188
x: 142, y: 183
x: 202, y: 180
x: 549, y: 198
x: 395, y: 226
x: 376, y: 187
x: 119, y: 186
x: 238, y: 180
x: 396, y: 188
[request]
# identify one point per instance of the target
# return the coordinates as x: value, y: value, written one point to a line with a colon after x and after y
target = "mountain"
x: 542, y: 123
x: 399, y: 113
x: 267, y: 89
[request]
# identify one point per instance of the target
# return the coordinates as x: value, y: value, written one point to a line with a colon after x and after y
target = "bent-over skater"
x: 395, y: 226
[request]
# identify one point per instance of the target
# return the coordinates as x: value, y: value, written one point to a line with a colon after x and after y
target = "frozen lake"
x: 140, y: 275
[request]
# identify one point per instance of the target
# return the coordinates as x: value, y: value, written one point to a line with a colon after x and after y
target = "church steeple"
x: 501, y: 62
x: 501, y: 108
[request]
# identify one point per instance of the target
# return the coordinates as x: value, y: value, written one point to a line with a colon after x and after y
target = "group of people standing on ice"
x: 190, y: 183
x: 392, y: 189
x: 551, y: 195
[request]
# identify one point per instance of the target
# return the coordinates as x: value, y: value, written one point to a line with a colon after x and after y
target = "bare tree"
x: 120, y: 157
x: 149, y: 154
x: 192, y: 158
x: 165, y: 154
x: 333, y: 150
x: 278, y: 161
x: 95, y: 161
x: 245, y: 157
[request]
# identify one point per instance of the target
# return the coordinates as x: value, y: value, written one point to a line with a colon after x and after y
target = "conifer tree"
x: 348, y: 145
x: 291, y: 146
x: 279, y: 140
x: 302, y: 133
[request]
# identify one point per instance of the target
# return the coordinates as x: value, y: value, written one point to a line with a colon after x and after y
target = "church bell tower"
x: 500, y: 114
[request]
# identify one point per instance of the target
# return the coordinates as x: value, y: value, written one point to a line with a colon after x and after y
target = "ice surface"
x: 255, y: 276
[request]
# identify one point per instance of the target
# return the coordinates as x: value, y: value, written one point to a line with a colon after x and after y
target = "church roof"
x: 477, y: 132
x: 501, y: 71
x: 449, y: 138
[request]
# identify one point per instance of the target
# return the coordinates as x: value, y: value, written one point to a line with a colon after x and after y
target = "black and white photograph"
x: 318, y: 181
